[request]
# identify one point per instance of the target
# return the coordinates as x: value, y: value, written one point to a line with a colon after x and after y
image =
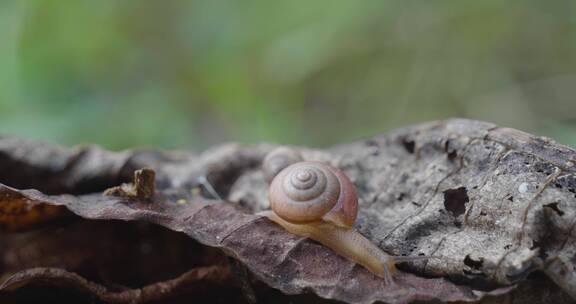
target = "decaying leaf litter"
x: 495, y: 205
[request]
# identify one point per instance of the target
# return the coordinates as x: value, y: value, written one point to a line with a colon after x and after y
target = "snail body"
x: 317, y: 201
x: 346, y: 242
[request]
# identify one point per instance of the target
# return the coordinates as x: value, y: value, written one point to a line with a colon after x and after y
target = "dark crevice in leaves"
x: 455, y: 200
x: 451, y: 152
x: 474, y: 264
x: 554, y: 207
x: 409, y: 145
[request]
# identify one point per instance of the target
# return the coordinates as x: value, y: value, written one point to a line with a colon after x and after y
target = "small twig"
x: 144, y: 186
x: 202, y: 180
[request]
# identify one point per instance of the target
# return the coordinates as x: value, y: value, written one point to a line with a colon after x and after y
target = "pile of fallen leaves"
x: 495, y: 207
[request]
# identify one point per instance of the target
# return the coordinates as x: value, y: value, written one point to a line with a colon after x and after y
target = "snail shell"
x: 308, y: 191
x: 317, y: 201
x: 277, y: 160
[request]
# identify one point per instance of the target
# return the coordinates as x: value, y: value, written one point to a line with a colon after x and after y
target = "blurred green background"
x: 191, y: 74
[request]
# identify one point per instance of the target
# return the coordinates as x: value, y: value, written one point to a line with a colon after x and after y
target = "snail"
x: 277, y: 160
x: 317, y: 201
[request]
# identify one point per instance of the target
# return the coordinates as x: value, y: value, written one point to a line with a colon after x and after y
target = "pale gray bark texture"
x: 493, y: 204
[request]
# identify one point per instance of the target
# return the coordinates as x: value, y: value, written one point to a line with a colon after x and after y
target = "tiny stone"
x: 523, y: 188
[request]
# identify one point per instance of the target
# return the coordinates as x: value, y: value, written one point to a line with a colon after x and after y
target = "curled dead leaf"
x: 460, y: 190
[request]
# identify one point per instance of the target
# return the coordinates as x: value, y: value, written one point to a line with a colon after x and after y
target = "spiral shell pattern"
x: 304, y: 192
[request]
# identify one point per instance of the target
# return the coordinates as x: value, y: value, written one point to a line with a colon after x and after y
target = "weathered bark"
x: 493, y: 204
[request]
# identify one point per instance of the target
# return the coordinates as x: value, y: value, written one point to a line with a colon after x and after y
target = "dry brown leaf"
x: 494, y: 204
